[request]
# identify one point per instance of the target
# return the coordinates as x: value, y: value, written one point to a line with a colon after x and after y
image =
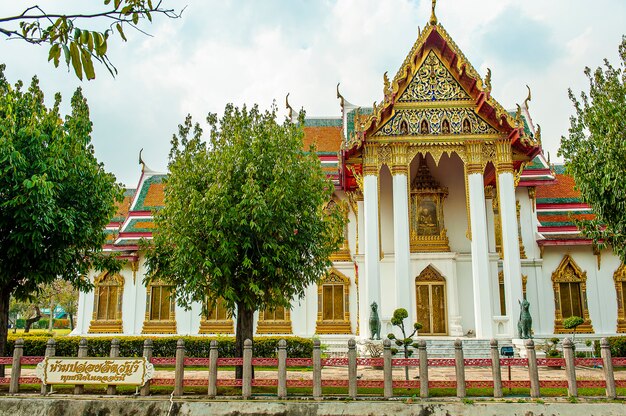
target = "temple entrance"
x: 430, y: 299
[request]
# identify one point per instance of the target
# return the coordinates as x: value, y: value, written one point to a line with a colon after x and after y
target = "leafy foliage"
x: 244, y: 215
x: 71, y: 40
x: 573, y: 322
x: 161, y: 346
x: 399, y: 315
x: 55, y: 198
x: 595, y: 153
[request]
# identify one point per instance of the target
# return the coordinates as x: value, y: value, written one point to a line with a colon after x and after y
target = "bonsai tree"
x: 572, y: 323
x: 551, y: 351
x: 399, y: 315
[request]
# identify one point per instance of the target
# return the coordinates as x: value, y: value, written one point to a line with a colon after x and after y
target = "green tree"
x: 595, y: 153
x: 399, y: 315
x: 573, y: 322
x: 244, y: 215
x: 73, y: 37
x: 55, y: 198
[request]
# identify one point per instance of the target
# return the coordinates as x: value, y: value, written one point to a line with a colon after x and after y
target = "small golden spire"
x: 488, y: 81
x: 433, y: 16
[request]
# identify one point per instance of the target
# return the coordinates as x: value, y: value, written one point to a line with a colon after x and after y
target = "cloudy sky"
x: 256, y: 51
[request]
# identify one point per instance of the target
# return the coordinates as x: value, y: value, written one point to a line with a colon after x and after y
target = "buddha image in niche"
x: 427, y: 223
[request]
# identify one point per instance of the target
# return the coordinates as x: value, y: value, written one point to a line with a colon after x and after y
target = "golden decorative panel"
x: 569, y: 283
x: 427, y: 229
x: 502, y: 293
x: 160, y: 309
x: 107, y: 304
x: 431, y: 302
x: 277, y: 321
x: 333, y: 305
x: 216, y: 319
x: 433, y: 82
x: 435, y: 121
x: 620, y: 287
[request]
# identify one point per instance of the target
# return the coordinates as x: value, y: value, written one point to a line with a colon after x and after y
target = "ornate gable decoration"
x: 433, y: 82
x: 435, y: 121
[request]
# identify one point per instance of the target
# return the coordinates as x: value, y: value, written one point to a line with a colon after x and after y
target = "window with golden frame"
x: 620, y: 287
x: 216, y: 319
x: 160, y: 309
x: 569, y: 283
x: 333, y: 314
x: 277, y: 321
x: 107, y: 306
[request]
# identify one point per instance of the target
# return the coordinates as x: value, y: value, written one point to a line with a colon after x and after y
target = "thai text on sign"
x: 70, y: 370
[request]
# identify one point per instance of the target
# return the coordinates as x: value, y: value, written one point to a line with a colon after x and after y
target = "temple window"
x: 276, y: 321
x: 160, y: 304
x: 107, y: 306
x: 333, y: 314
x: 620, y: 286
x: 215, y: 318
x: 569, y: 283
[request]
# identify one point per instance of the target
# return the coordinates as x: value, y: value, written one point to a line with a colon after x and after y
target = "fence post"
x: 423, y: 357
x: 82, y: 353
x: 607, y: 365
x: 50, y: 352
x: 570, y: 367
x: 246, y: 387
x: 147, y: 353
x: 352, y: 368
x: 317, y: 370
x: 179, y: 372
x: 460, y: 368
x: 115, y: 352
x: 213, y: 355
x: 533, y: 370
x: 16, y: 366
x: 495, y: 369
x: 282, y: 369
x: 387, y: 370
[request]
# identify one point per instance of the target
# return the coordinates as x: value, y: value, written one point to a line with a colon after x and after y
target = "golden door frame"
x: 569, y: 272
x: 431, y: 277
x: 619, y: 278
x: 107, y: 326
x: 341, y: 326
x: 159, y: 326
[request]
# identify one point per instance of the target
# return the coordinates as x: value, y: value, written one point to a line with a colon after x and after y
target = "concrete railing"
x: 353, y: 382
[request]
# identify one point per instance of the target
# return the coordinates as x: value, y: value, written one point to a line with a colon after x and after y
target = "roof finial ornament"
x: 433, y: 16
x: 141, y: 162
x: 387, y: 88
x: 339, y: 96
x: 288, y: 106
x: 527, y: 98
x: 518, y: 116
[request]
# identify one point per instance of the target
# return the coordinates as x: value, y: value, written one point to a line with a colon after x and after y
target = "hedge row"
x: 161, y: 346
x: 617, y: 344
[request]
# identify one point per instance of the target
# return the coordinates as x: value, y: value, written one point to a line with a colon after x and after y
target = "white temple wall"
x: 528, y: 223
x: 465, y: 292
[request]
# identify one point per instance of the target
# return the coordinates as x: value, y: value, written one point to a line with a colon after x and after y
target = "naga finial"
x: 538, y: 135
x: 518, y: 115
x: 339, y: 96
x: 141, y: 162
x: 527, y: 98
x: 433, y: 16
x: 488, y: 81
x: 288, y: 106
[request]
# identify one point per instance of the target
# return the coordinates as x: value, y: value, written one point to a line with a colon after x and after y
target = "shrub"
x: 617, y: 345
x: 35, y: 345
x: 61, y: 323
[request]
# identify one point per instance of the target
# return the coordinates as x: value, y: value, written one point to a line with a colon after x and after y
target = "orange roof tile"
x: 563, y: 187
x: 325, y: 139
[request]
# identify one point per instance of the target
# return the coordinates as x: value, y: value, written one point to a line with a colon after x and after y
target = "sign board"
x: 72, y: 370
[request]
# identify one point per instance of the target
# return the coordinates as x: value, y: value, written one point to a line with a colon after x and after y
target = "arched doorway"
x: 431, y: 302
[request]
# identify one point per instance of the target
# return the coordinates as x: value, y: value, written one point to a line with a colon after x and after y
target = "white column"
x: 510, y: 246
x: 480, y: 255
x: 510, y: 239
x: 372, y: 247
x: 401, y: 242
x: 360, y: 223
x: 491, y: 231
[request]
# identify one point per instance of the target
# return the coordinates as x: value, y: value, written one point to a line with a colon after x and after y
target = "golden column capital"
x: 504, y: 156
x: 489, y: 192
x: 474, y: 156
x: 399, y: 159
x: 370, y: 160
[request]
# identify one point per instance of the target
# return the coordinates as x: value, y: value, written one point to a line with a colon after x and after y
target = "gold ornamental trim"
x: 619, y: 277
x: 569, y: 272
